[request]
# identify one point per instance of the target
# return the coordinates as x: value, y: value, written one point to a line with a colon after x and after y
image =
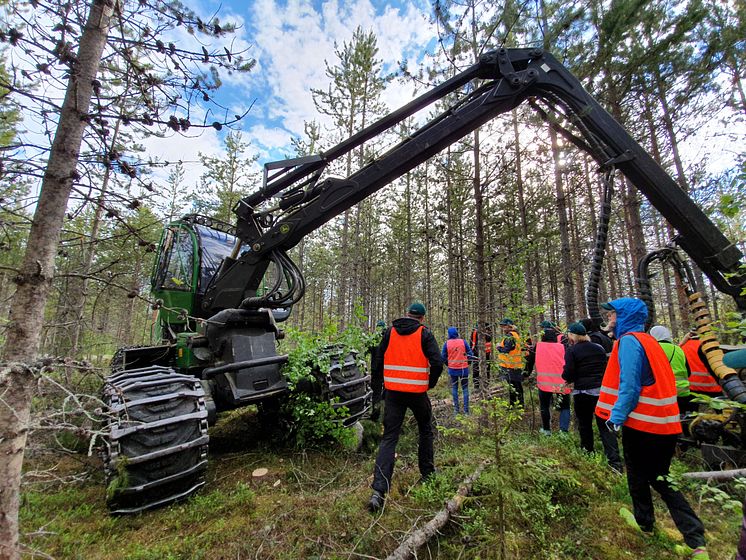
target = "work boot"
x: 376, y: 501
x: 544, y: 432
x: 699, y: 553
x: 427, y: 478
x: 629, y: 518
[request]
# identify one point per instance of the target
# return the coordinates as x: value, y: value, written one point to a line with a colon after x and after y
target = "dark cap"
x: 416, y: 309
x: 506, y: 322
x: 607, y: 306
x: 577, y: 328
x: 546, y: 324
x: 381, y: 324
x: 735, y: 359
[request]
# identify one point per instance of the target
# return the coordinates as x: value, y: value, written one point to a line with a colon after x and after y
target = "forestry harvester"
x: 224, y: 289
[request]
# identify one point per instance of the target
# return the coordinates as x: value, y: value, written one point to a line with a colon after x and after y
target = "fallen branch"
x: 419, y: 537
x: 716, y: 475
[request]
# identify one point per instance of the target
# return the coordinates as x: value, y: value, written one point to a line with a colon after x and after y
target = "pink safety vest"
x: 550, y: 361
x: 456, y: 348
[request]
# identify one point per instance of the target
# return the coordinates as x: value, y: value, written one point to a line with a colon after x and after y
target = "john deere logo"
x: 284, y: 228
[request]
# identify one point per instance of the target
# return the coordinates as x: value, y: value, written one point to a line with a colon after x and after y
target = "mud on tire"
x: 156, y: 445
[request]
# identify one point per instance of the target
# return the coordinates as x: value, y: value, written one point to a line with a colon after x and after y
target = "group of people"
x: 634, y: 386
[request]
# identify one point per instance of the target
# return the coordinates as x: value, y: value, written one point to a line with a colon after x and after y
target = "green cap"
x: 416, y: 309
x: 507, y: 322
x: 577, y: 328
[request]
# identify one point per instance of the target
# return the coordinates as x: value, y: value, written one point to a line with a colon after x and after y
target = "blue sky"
x: 291, y: 40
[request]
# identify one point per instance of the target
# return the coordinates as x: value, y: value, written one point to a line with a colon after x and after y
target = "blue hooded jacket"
x: 634, y: 368
x: 452, y: 334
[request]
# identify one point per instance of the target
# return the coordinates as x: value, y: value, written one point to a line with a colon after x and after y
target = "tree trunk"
x: 568, y: 294
x: 35, y: 277
x: 524, y: 220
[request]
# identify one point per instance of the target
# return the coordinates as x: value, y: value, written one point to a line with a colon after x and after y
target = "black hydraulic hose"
x: 599, y: 251
x: 643, y: 284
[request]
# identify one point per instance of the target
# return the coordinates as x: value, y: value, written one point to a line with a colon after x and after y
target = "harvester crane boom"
x: 508, y: 77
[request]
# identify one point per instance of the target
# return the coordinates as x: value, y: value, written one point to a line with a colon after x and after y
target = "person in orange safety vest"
x: 638, y: 397
x: 457, y: 354
x: 700, y: 380
x: 409, y: 364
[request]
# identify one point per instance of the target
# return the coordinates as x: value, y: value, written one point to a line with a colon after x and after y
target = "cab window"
x: 176, y: 269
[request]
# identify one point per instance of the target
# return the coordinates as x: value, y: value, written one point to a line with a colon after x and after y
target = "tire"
x: 157, y: 442
x: 345, y: 385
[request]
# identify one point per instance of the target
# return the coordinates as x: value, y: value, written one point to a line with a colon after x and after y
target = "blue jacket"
x: 452, y: 334
x: 634, y: 368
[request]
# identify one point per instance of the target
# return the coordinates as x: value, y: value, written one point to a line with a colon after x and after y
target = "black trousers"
x: 396, y: 407
x: 648, y: 457
x: 545, y: 406
x: 585, y: 407
x: 514, y: 377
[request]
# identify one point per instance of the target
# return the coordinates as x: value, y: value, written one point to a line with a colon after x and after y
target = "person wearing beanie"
x: 585, y: 362
x: 456, y: 355
x: 593, y: 328
x: 408, y: 364
x: 549, y: 359
x: 679, y: 365
x: 510, y: 359
x: 638, y: 398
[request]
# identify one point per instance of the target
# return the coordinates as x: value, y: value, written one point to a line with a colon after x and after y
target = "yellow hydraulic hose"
x: 709, y: 343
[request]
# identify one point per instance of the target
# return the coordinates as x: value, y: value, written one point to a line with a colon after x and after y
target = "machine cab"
x: 189, y: 256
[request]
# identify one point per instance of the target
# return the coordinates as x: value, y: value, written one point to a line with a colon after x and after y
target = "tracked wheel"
x: 157, y: 440
x: 345, y: 384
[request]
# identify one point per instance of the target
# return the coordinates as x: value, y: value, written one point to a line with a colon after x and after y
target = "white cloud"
x: 294, y: 39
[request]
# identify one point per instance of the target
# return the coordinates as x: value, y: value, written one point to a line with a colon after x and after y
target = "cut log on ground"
x: 717, y: 475
x: 417, y: 538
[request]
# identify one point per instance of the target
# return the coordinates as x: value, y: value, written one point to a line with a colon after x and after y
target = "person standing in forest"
x: 592, y: 327
x: 487, y: 345
x: 585, y: 362
x: 457, y: 354
x: 549, y: 360
x: 679, y: 365
x: 701, y: 381
x: 408, y: 364
x: 510, y: 358
x: 638, y: 397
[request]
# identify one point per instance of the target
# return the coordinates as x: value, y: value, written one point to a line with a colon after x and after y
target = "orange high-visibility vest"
x: 514, y: 358
x: 405, y: 366
x: 488, y: 347
x: 456, y: 349
x: 550, y: 361
x: 700, y: 379
x: 657, y: 411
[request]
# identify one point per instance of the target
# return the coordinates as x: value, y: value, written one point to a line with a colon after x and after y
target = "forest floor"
x: 559, y: 502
